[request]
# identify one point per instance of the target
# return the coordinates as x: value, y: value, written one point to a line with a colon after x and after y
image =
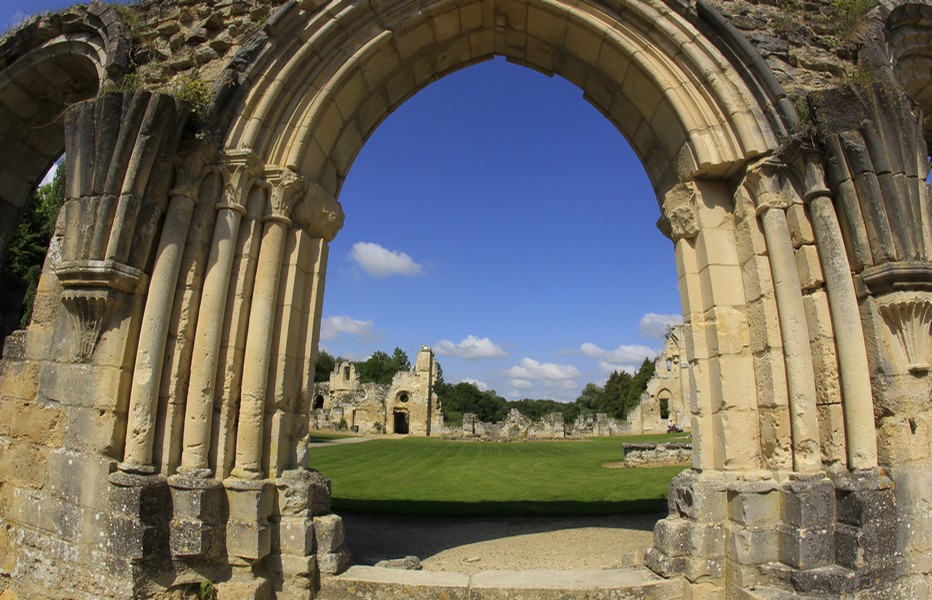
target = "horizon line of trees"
x: 620, y: 393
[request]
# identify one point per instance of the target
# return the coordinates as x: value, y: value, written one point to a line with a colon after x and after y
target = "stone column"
x: 680, y: 224
x: 287, y: 187
x: 794, y: 331
x: 861, y: 437
x: 150, y: 355
x: 200, y: 400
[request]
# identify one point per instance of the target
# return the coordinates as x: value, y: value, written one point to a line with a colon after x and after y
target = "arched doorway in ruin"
x: 184, y: 345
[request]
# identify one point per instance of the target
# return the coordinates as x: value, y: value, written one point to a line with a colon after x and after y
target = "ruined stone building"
x: 666, y: 398
x: 153, y: 411
x: 407, y: 406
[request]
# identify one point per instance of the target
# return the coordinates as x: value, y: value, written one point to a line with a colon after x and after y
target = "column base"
x: 140, y: 509
x: 197, y: 526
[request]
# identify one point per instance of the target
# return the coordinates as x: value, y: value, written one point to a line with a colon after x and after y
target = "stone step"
x: 374, y: 583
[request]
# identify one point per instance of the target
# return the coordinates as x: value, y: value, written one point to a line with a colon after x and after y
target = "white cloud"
x: 521, y: 384
x: 381, y: 262
x: 623, y: 358
x: 531, y: 370
x: 470, y: 347
x: 483, y: 386
x: 332, y: 328
x: 655, y: 326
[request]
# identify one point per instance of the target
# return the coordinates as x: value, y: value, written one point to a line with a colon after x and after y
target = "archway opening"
x: 527, y: 256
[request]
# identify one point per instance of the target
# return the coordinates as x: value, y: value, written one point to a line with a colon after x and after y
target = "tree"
x: 26, y: 253
x: 590, y: 399
x: 381, y: 368
x: 324, y: 366
x: 615, y: 394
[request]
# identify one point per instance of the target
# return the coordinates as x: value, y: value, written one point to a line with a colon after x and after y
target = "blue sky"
x: 499, y: 218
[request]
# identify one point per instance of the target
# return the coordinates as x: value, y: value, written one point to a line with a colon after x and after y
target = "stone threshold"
x: 375, y: 583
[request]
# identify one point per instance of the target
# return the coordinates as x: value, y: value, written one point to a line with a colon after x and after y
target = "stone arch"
x: 765, y: 280
x: 641, y: 65
x: 48, y: 64
x: 909, y: 31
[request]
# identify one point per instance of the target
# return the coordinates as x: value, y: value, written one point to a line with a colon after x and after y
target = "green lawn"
x: 431, y: 477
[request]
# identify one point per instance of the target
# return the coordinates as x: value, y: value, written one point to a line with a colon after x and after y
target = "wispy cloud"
x: 332, y: 328
x: 623, y: 358
x: 382, y: 262
x: 471, y: 347
x: 655, y: 326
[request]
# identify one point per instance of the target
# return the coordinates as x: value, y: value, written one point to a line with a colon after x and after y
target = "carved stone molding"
x: 910, y: 319
x: 89, y: 293
x: 89, y: 309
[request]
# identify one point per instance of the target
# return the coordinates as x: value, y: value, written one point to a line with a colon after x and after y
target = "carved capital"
x: 319, y: 213
x: 680, y: 214
x: 89, y: 309
x: 89, y: 290
x: 287, y: 189
x: 240, y: 168
x: 909, y: 318
x: 808, y: 161
x: 762, y: 181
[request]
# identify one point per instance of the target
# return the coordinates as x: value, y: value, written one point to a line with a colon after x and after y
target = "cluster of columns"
x: 239, y: 461
x: 743, y: 266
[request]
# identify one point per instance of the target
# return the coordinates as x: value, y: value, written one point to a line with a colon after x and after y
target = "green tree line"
x: 616, y: 397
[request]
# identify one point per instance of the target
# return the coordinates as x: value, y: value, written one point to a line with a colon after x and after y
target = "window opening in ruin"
x: 401, y: 422
x: 403, y: 397
x: 664, y: 408
x: 27, y: 249
x: 319, y: 402
x: 346, y: 373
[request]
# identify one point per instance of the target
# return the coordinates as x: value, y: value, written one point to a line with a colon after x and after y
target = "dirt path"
x: 474, y: 545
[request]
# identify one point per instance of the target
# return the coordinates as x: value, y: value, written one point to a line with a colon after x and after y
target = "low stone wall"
x: 656, y: 454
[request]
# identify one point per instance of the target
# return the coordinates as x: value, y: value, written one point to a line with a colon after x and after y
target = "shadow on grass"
x: 556, y: 508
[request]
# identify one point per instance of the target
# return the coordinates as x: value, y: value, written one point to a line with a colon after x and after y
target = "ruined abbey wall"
x: 406, y: 406
x: 152, y: 413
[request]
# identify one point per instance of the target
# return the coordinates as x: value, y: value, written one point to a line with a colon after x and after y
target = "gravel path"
x: 474, y: 545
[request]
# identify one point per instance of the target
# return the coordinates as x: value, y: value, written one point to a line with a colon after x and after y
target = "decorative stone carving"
x: 679, y: 212
x: 89, y: 288
x: 910, y: 320
x: 319, y: 213
x: 287, y: 189
x: 241, y: 167
x: 763, y: 180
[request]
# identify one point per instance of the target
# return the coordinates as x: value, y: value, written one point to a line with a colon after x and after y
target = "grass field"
x: 431, y: 477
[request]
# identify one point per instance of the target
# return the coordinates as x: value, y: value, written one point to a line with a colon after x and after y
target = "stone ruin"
x: 407, y: 406
x: 151, y: 414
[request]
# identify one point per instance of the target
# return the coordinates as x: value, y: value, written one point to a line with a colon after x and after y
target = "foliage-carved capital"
x: 680, y: 211
x: 763, y: 183
x: 910, y: 318
x: 287, y: 190
x: 240, y: 168
x: 319, y: 213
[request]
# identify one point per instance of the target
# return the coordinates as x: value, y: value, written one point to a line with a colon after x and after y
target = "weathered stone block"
x: 699, y: 497
x: 296, y: 536
x: 698, y: 568
x: 664, y: 565
x: 188, y: 537
x: 806, y: 548
x: 754, y: 546
x: 328, y: 533
x: 80, y: 479
x: 19, y: 379
x: 197, y: 498
x: 331, y: 563
x: 139, y: 514
x: 856, y: 547
x: 707, y: 539
x: 249, y: 500
x: 303, y: 490
x: 248, y: 540
x: 757, y: 506
x: 809, y: 503
x: 671, y: 536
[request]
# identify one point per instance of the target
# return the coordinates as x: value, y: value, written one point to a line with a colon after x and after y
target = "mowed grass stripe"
x: 436, y: 477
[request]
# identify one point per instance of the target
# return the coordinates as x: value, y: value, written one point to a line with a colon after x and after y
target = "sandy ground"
x: 474, y: 545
